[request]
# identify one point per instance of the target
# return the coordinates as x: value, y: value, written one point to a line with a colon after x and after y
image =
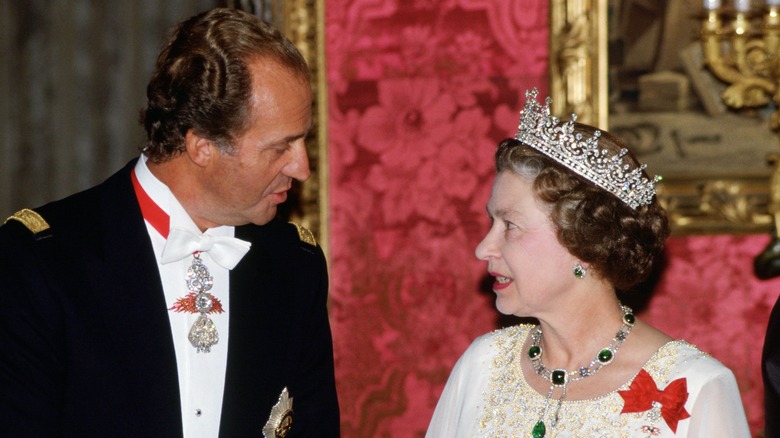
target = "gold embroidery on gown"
x: 510, y: 407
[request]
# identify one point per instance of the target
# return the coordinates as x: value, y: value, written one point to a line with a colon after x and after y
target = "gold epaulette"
x: 30, y: 219
x: 305, y: 235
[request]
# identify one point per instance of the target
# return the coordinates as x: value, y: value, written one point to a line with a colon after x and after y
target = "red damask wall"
x: 420, y: 93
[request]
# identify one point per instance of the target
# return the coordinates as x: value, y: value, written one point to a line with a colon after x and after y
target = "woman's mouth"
x: 501, y: 282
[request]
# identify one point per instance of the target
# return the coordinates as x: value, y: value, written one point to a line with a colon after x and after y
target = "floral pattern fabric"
x: 419, y: 94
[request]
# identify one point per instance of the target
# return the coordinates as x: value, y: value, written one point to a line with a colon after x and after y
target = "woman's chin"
x: 503, y: 308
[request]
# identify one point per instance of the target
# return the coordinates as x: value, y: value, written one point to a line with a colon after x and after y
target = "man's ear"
x: 199, y: 149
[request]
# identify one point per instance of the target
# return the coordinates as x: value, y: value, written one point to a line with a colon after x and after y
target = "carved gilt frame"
x: 303, y: 22
x: 697, y: 204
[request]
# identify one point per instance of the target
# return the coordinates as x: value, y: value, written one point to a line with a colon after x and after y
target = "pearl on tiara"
x: 557, y: 140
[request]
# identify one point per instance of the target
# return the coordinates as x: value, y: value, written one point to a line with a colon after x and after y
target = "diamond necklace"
x: 560, y: 378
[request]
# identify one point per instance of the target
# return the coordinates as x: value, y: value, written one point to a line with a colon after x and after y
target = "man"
x: 168, y: 301
x: 770, y: 368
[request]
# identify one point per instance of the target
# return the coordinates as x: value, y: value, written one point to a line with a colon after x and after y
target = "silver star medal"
x: 281, y: 419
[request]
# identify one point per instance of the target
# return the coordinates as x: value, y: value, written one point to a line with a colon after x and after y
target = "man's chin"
x: 265, y: 217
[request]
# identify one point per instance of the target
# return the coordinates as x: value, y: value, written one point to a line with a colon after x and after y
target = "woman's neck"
x: 573, y: 340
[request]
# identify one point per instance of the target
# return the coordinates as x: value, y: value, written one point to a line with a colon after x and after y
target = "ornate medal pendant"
x: 203, y: 334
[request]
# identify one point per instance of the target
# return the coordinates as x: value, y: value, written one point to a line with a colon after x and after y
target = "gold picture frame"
x: 732, y: 202
x: 303, y: 22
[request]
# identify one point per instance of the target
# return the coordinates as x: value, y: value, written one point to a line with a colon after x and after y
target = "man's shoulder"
x: 279, y: 234
x: 41, y: 222
x: 78, y: 211
x: 30, y: 219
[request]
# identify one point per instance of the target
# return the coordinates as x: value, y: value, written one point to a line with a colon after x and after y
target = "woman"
x: 573, y: 220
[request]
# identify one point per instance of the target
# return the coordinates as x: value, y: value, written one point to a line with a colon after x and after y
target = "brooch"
x: 281, y: 419
x: 644, y: 396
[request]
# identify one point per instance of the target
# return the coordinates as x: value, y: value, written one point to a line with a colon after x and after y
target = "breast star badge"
x: 281, y: 419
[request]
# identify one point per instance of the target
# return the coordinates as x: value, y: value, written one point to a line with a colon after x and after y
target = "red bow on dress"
x: 643, y: 392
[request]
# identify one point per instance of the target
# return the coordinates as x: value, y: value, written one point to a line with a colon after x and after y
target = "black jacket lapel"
x: 129, y: 292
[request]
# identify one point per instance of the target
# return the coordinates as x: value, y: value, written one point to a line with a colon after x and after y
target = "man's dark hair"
x: 201, y: 80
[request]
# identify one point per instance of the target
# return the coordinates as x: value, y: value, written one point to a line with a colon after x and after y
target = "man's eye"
x: 280, y: 148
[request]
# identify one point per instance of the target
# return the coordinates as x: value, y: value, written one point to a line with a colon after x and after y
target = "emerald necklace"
x: 560, y: 378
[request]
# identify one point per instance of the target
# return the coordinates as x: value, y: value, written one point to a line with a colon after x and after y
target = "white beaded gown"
x: 680, y: 392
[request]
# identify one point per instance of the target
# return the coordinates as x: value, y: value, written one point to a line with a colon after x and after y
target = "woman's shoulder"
x: 699, y: 379
x: 505, y: 337
x: 497, y: 342
x: 680, y: 358
x: 681, y: 352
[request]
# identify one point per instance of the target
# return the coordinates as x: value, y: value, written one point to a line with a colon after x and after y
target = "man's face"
x: 248, y: 185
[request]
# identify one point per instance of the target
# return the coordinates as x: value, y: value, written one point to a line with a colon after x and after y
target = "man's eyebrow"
x: 291, y: 138
x: 295, y: 137
x: 309, y: 131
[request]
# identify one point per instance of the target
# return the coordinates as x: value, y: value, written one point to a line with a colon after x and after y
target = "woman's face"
x: 530, y: 267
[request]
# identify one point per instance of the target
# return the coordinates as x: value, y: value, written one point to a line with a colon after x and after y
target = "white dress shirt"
x: 201, y: 375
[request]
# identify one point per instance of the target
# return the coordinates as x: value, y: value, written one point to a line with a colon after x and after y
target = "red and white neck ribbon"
x: 180, y: 243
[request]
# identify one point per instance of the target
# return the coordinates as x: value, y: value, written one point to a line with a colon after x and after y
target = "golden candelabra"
x: 740, y: 44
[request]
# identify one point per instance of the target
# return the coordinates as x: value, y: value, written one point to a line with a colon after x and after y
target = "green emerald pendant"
x: 558, y: 377
x: 539, y: 430
x: 534, y: 351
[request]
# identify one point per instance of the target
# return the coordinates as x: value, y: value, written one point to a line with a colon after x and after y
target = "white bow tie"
x: 226, y: 251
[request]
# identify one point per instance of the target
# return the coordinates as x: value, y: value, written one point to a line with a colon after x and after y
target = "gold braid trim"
x: 30, y: 219
x: 305, y: 235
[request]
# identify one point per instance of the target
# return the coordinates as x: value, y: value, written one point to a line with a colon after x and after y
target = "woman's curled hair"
x: 621, y: 244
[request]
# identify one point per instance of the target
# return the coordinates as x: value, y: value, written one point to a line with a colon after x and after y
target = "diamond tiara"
x: 557, y: 140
